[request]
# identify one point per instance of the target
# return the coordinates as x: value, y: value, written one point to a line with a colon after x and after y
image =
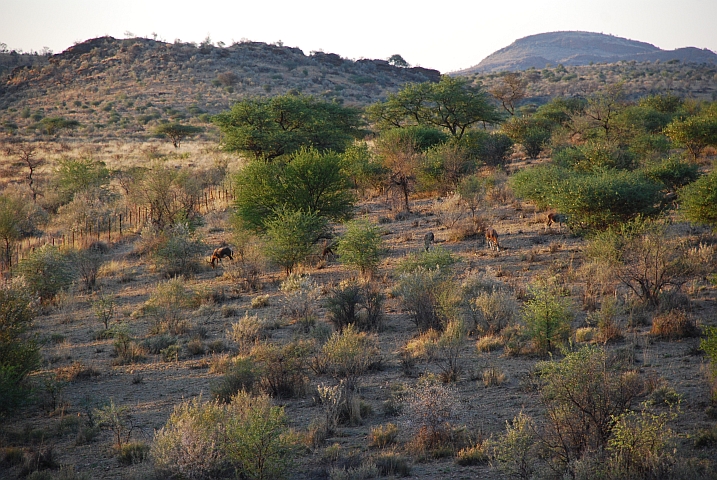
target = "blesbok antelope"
x: 558, y: 218
x: 428, y: 239
x: 219, y: 253
x: 492, y: 237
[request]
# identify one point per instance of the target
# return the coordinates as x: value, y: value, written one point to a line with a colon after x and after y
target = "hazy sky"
x: 445, y: 35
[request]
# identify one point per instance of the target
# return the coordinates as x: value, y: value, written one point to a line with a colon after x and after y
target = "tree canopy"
x: 282, y: 125
x: 452, y: 104
x: 176, y: 132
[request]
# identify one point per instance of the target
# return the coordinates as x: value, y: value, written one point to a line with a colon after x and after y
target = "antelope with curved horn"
x: 492, y: 237
x: 219, y: 253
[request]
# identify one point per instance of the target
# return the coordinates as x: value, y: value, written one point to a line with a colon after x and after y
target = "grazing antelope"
x: 492, y: 237
x: 558, y: 218
x: 328, y: 249
x: 219, y: 253
x: 428, y: 239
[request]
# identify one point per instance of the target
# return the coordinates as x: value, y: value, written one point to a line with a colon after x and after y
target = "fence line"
x: 109, y: 229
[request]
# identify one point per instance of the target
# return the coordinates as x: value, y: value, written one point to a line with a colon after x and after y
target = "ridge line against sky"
x: 444, y: 36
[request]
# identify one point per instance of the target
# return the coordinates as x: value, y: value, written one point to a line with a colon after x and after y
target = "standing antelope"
x: 558, y: 218
x: 492, y: 237
x: 428, y: 239
x: 219, y: 253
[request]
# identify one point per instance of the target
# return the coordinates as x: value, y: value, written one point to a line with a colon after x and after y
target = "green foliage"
x: 360, y: 166
x: 698, y: 200
x: 348, y: 354
x: 176, y: 251
x: 77, y: 175
x: 426, y: 295
x: 19, y: 354
x: 694, y: 132
x: 291, y: 237
x: 445, y: 165
x: 547, y: 316
x: 593, y: 157
x: 437, y: 259
x: 190, y: 444
x: 516, y: 453
x: 118, y: 420
x: 283, y: 368
x: 709, y: 345
x: 672, y: 172
x: 532, y: 132
x: 53, y: 125
x: 48, y: 270
x: 281, y: 125
x: 259, y: 443
x: 397, y: 61
x: 242, y: 375
x: 452, y: 104
x: 583, y: 394
x: 361, y: 246
x: 171, y: 195
x: 355, y: 303
x: 17, y: 219
x: 176, y: 132
x: 310, y: 181
x: 491, y: 148
x: 590, y: 200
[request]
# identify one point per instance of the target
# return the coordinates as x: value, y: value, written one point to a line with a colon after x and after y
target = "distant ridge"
x: 580, y: 48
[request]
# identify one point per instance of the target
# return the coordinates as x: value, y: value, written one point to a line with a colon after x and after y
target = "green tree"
x: 694, y: 133
x: 53, y: 125
x: 397, y: 61
x: 76, y: 175
x: 19, y: 354
x: 310, y: 181
x: 47, y: 270
x: 16, y: 220
x: 176, y: 132
x: 291, y: 236
x: 547, y: 316
x: 698, y: 200
x: 361, y: 246
x: 284, y: 124
x: 452, y: 104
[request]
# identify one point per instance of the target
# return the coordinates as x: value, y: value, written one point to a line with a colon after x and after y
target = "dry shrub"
x: 260, y: 301
x: 489, y: 343
x: 76, y: 371
x: 391, y: 464
x: 493, y: 311
x: 422, y: 347
x: 429, y: 411
x: 609, y: 328
x: 450, y: 211
x: 474, y: 455
x: 383, y: 435
x: 246, y: 332
x: 493, y: 376
x: 584, y: 334
x: 673, y: 325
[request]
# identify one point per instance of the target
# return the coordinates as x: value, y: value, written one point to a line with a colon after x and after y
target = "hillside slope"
x: 133, y: 83
x: 581, y: 48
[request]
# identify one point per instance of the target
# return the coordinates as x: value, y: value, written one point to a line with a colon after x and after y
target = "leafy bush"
x: 167, y: 304
x: 517, y: 452
x: 547, y: 316
x: 361, y: 247
x: 19, y: 354
x: 672, y: 172
x: 47, y: 270
x: 421, y: 292
x: 241, y: 375
x: 382, y: 436
x: 583, y: 394
x: 492, y: 311
x: 283, y: 368
x: 348, y: 354
x: 698, y: 200
x: 291, y: 237
x: 355, y: 303
x: 176, y: 251
x: 438, y: 259
x: 246, y: 332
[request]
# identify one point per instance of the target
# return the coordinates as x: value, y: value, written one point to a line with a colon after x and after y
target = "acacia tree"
x: 310, y: 181
x: 699, y: 200
x: 292, y: 235
x: 269, y: 128
x: 16, y: 219
x: 401, y: 158
x: 510, y: 91
x: 176, y: 132
x: 26, y: 154
x: 452, y: 104
x: 694, y: 133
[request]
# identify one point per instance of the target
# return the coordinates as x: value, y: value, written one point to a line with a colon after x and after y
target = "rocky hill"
x: 581, y: 48
x: 123, y: 87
